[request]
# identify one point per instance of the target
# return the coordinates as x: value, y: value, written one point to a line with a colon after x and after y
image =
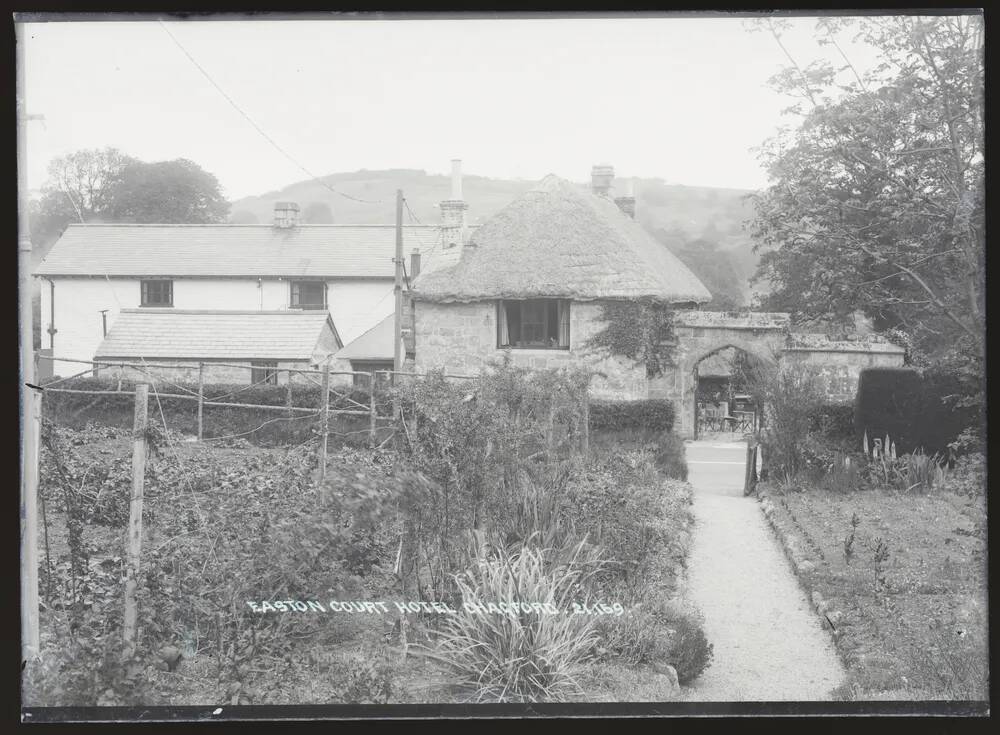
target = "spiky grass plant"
x: 907, y: 472
x: 919, y: 470
x: 519, y: 656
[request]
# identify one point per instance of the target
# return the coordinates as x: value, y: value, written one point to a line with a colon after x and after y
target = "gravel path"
x: 768, y: 641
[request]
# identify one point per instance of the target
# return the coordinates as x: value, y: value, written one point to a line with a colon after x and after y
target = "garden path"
x: 768, y: 642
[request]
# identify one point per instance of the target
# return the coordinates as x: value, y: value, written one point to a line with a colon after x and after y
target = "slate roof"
x: 561, y: 242
x: 330, y: 251
x: 375, y: 344
x: 221, y: 335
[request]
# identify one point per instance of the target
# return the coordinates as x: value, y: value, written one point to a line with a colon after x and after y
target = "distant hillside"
x: 702, y: 225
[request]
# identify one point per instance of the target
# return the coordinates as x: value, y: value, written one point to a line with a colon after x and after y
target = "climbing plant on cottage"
x: 641, y: 330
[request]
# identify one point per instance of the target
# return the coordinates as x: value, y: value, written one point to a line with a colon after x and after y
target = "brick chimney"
x: 627, y: 202
x: 601, y: 177
x: 286, y: 215
x: 453, y: 210
x: 414, y: 263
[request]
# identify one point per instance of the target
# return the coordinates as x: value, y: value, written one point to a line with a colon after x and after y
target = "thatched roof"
x: 559, y: 241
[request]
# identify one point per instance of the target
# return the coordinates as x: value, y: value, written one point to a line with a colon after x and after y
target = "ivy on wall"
x: 641, y: 330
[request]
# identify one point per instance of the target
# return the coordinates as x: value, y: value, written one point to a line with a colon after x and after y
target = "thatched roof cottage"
x: 531, y: 281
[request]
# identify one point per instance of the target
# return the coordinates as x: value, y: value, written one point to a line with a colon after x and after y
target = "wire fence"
x: 160, y: 487
x: 355, y: 406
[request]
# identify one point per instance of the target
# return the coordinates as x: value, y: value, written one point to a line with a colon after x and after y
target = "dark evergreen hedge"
x: 888, y: 402
x: 652, y: 413
x: 916, y: 411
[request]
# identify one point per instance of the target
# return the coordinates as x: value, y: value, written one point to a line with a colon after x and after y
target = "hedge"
x: 914, y: 410
x: 651, y: 413
x: 834, y: 420
x: 76, y: 410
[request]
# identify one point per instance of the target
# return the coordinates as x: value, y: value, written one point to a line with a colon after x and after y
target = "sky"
x: 684, y: 99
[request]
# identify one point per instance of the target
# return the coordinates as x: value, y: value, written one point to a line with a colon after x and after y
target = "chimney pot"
x: 456, y: 179
x: 286, y: 214
x: 601, y: 177
x: 453, y: 210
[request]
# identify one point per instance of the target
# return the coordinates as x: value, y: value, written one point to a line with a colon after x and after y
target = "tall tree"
x: 79, y: 188
x: 317, y: 213
x: 177, y: 191
x: 876, y: 197
x: 87, y: 179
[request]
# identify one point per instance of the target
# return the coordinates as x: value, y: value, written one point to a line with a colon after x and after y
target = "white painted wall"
x: 355, y: 305
x: 78, y: 315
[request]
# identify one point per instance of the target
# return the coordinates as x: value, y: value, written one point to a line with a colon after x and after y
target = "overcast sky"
x: 681, y: 98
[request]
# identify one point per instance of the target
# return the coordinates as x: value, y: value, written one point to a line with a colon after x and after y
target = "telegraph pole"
x: 397, y: 333
x: 397, y: 354
x: 30, y: 417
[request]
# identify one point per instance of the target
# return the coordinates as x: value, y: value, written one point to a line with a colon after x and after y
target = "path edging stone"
x: 803, y: 565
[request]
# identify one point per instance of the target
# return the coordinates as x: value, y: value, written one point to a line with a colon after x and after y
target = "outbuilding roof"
x: 216, y: 335
x: 327, y: 251
x: 559, y: 241
x: 375, y: 344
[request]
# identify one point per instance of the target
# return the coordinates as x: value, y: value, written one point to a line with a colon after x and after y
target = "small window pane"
x: 157, y: 293
x: 309, y: 294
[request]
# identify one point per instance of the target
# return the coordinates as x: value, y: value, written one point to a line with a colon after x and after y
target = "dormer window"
x: 308, y: 295
x: 157, y: 293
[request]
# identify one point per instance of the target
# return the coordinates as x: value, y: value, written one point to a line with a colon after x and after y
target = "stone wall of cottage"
x: 462, y: 339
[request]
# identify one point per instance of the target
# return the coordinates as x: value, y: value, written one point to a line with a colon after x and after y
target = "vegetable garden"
x: 497, y: 543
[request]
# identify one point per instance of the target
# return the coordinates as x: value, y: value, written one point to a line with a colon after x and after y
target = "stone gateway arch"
x: 766, y: 336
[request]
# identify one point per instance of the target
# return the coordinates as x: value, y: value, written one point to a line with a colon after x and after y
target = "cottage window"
x: 157, y: 293
x: 533, y: 324
x: 308, y: 295
x: 264, y: 373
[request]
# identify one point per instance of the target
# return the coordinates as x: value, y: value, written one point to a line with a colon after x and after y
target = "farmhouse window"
x: 157, y: 293
x: 533, y: 324
x: 264, y: 373
x: 308, y: 295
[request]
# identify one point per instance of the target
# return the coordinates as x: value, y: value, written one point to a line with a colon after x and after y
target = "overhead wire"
x: 257, y: 127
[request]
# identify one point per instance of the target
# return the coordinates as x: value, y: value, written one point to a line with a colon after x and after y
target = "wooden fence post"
x: 324, y: 428
x: 134, y: 549
x: 372, y: 417
x: 30, y: 626
x: 288, y: 395
x: 201, y: 399
x: 751, y: 467
x: 585, y: 434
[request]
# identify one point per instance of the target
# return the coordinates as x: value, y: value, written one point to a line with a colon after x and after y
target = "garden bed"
x: 225, y: 522
x: 900, y: 581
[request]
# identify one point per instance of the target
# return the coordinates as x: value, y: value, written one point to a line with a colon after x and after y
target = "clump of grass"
x: 520, y: 656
